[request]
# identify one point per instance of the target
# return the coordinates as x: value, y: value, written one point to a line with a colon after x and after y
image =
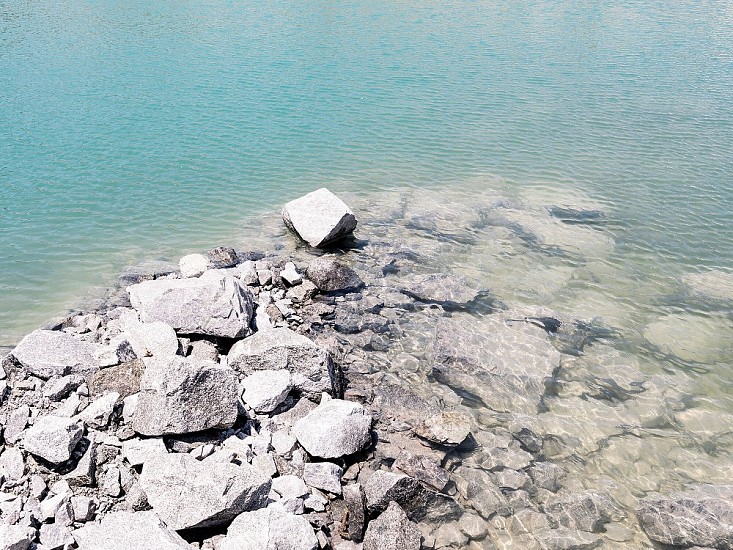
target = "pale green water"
x: 134, y: 130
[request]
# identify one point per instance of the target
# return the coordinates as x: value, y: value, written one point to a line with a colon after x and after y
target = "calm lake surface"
x: 134, y: 131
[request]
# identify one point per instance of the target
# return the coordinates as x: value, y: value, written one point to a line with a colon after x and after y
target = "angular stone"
x: 57, y: 389
x: 148, y: 339
x: 179, y: 396
x: 15, y: 537
x: 331, y: 276
x: 701, y: 516
x: 448, y: 428
x: 441, y: 288
x: 502, y: 363
x: 264, y: 390
x: 222, y: 257
x: 97, y: 414
x: 423, y: 468
x: 355, y: 501
x: 83, y: 508
x: 269, y: 529
x: 310, y: 366
x: 129, y: 531
x: 53, y: 438
x: 323, y: 475
x: 47, y: 353
x: 17, y: 422
x: 290, y: 275
x: 193, y: 265
x: 383, y: 487
x: 123, y: 379
x: 289, y: 487
x: 584, y: 511
x: 217, y: 305
x: 319, y: 218
x: 55, y: 537
x: 392, y: 530
x: 139, y: 451
x: 84, y: 473
x: 204, y: 350
x: 118, y: 351
x: 12, y: 466
x: 334, y: 429
x: 187, y: 493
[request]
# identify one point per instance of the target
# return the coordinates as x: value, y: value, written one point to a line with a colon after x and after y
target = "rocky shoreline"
x: 249, y: 400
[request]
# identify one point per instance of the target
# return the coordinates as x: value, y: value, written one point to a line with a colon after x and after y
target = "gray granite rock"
x: 423, y: 468
x: 15, y: 537
x: 216, y: 305
x: 310, y: 366
x: 55, y: 536
x: 441, y: 288
x: 148, y: 339
x: 356, y: 507
x: 12, y: 466
x: 392, y: 530
x: 139, y: 451
x: 583, y: 511
x: 269, y: 529
x: 448, y: 428
x: 334, y: 429
x: 180, y: 396
x: 129, y: 531
x: 319, y: 218
x: 117, y: 351
x: 193, y: 265
x: 700, y: 516
x: 264, y: 390
x: 222, y: 257
x: 53, y: 438
x: 330, y: 276
x: 58, y: 388
x: 97, y: 414
x: 323, y: 475
x: 383, y: 487
x: 47, y: 353
x: 187, y: 493
x: 123, y: 379
x: 503, y: 364
x: 16, y: 423
x: 290, y: 275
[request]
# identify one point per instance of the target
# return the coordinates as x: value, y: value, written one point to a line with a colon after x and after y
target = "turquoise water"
x: 137, y: 130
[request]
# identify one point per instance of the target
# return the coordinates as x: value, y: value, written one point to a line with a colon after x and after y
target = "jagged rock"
x: 269, y: 529
x: 334, y: 429
x: 355, y: 501
x: 83, y: 508
x: 58, y: 388
x: 118, y: 351
x: 400, y: 403
x: 264, y: 390
x: 701, y: 516
x: 383, y: 487
x: 204, y: 351
x: 122, y: 379
x: 477, y: 488
x: 179, y: 396
x: 423, y: 468
x: 47, y: 353
x: 15, y: 537
x: 222, y: 257
x: 187, y: 493
x: 11, y: 464
x: 290, y: 275
x: 53, y: 438
x: 248, y: 273
x: 392, y: 530
x: 449, y: 428
x: 193, y: 265
x: 501, y: 363
x: 319, y: 218
x: 323, y: 475
x: 214, y: 304
x: 17, y: 422
x: 97, y: 414
x: 331, y: 276
x: 84, y: 473
x: 150, y: 339
x: 584, y: 511
x: 289, y: 487
x: 55, y: 537
x: 129, y: 531
x: 310, y: 366
x: 139, y: 451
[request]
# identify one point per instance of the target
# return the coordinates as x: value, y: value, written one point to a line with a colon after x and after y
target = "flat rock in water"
x: 187, y: 493
x: 331, y: 276
x: 441, y: 288
x: 392, y: 530
x: 216, y: 305
x: 584, y: 511
x: 53, y: 438
x: 310, y: 366
x: 447, y: 428
x: 47, y: 353
x: 179, y: 396
x: 713, y: 286
x: 319, y: 218
x: 695, y: 338
x: 129, y: 531
x: 702, y: 516
x: 269, y: 529
x: 334, y: 429
x: 502, y: 363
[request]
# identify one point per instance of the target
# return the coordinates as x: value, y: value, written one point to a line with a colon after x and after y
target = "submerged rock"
x: 331, y: 276
x: 310, y: 366
x: 702, y: 516
x: 47, y: 353
x: 214, y: 304
x: 448, y: 428
x: 441, y: 288
x: 269, y: 529
x: 187, y: 493
x: 180, y: 396
x: 712, y: 286
x: 319, y: 218
x: 129, y: 531
x: 334, y: 429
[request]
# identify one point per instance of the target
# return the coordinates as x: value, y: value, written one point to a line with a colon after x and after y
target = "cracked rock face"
x: 214, y: 304
x: 319, y: 218
x: 269, y: 529
x: 180, y: 396
x: 47, y: 353
x: 392, y: 530
x: 128, y: 530
x: 53, y: 438
x: 702, y: 516
x: 334, y: 429
x: 187, y: 493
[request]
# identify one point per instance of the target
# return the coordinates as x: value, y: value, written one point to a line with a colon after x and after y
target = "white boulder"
x: 319, y: 218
